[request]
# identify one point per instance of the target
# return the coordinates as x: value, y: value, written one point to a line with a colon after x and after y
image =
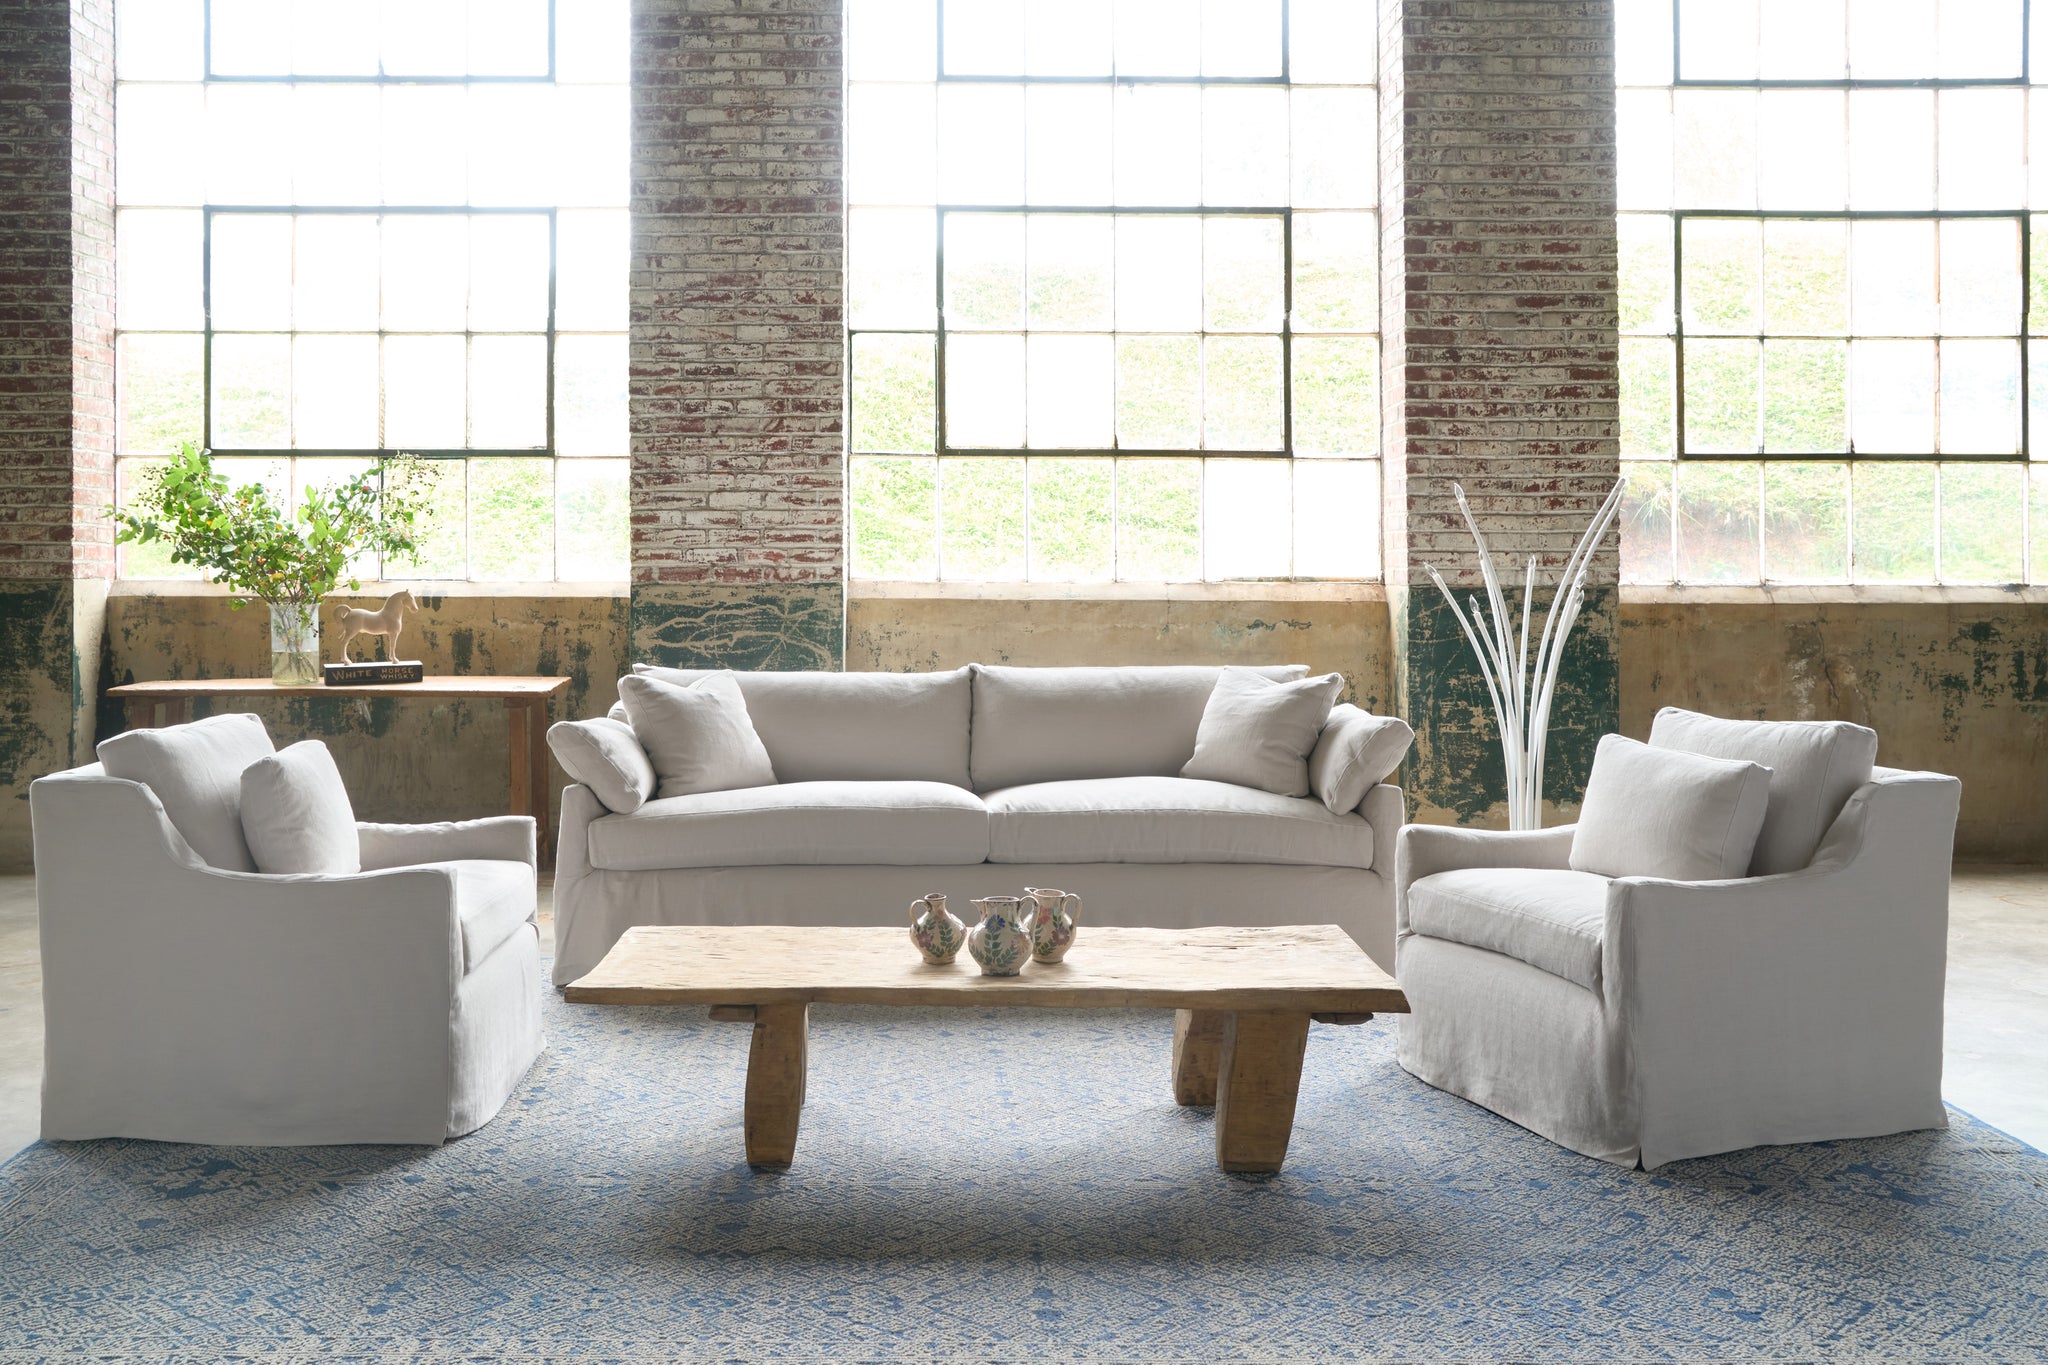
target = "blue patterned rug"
x: 1015, y: 1187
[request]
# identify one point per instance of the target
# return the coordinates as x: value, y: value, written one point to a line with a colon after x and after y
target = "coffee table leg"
x: 776, y: 1069
x: 1257, y: 1080
x: 1197, y: 1048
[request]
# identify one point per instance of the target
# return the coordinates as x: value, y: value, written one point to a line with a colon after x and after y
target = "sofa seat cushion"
x: 1552, y: 920
x: 492, y: 900
x: 1169, y: 820
x: 893, y: 824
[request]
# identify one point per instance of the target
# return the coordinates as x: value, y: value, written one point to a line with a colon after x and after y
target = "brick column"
x: 1498, y: 310
x: 737, y: 390
x: 56, y: 387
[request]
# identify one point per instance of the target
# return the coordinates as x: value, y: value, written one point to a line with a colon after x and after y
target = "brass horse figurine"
x: 386, y: 621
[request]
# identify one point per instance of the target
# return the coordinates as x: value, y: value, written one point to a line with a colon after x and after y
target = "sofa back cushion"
x: 855, y: 727
x: 1816, y: 766
x: 1064, y: 724
x: 196, y: 771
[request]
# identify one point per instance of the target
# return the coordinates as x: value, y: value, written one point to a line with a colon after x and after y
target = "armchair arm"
x: 1424, y: 850
x: 506, y: 838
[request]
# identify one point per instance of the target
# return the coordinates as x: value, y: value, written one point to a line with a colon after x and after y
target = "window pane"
x: 508, y: 273
x: 890, y: 265
x: 1721, y: 397
x: 334, y: 281
x: 1159, y: 393
x: 425, y: 142
x: 1983, y: 149
x: 1891, y: 39
x: 1243, y: 277
x: 426, y: 272
x: 157, y: 128
x: 1066, y: 155
x: 1158, y: 273
x: 1893, y: 521
x: 424, y: 386
x: 1717, y: 522
x: 248, y: 143
x: 159, y: 40
x: 325, y: 475
x: 251, y: 392
x: 1714, y: 149
x: 251, y: 38
x: 1244, y: 146
x: 1806, y: 523
x: 1331, y: 41
x: 1241, y: 408
x: 508, y: 37
x: 2037, y: 271
x: 890, y: 40
x: 334, y: 392
x: 1336, y: 272
x: 1806, y: 397
x: 1979, y: 38
x: 591, y: 255
x: 590, y: 395
x: 1247, y: 519
x: 1891, y: 149
x: 892, y: 393
x: 591, y: 141
x: 143, y: 561
x: 984, y: 37
x: 1240, y: 37
x: 511, y: 519
x: 981, y: 522
x: 1336, y: 396
x: 1157, y: 38
x: 2037, y: 515
x: 1803, y: 162
x: 895, y: 518
x: 251, y: 284
x: 507, y: 392
x: 1892, y: 410
x: 593, y: 40
x: 891, y: 144
x: 159, y: 384
x: 333, y: 162
x: 1642, y: 147
x: 984, y: 391
x: 1072, y: 536
x: 333, y: 38
x: 1646, y: 523
x: 1804, y: 40
x: 1723, y: 275
x: 1072, y: 385
x: 1983, y: 514
x: 441, y: 531
x: 592, y: 524
x: 981, y: 144
x: 424, y: 37
x: 510, y: 128
x: 1806, y: 276
x: 1158, y: 144
x: 1071, y: 261
x: 1717, y: 40
x: 1648, y: 399
x: 1980, y: 276
x: 1892, y: 278
x: 1159, y: 520
x: 1980, y: 397
x: 1335, y: 152
x: 984, y: 270
x: 157, y: 256
x: 1066, y: 38
x: 1336, y: 519
x: 1646, y: 272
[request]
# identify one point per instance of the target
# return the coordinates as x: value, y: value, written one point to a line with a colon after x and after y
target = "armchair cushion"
x: 296, y: 814
x: 1357, y: 750
x: 492, y: 900
x: 605, y: 756
x: 1816, y: 765
x: 196, y: 772
x: 1256, y: 732
x: 1551, y: 920
x: 699, y: 736
x: 1664, y: 813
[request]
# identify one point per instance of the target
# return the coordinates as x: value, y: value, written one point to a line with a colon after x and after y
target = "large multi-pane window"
x: 1113, y: 294
x: 347, y: 230
x: 1829, y: 278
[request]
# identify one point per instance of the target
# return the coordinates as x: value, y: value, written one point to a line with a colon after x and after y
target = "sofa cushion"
x: 1665, y: 813
x: 492, y: 900
x: 1552, y: 920
x: 697, y: 735
x: 895, y: 824
x: 1258, y: 733
x: 1355, y: 753
x: 196, y: 772
x: 1057, y: 724
x: 1816, y: 766
x: 1169, y: 820
x: 296, y: 815
x: 850, y: 727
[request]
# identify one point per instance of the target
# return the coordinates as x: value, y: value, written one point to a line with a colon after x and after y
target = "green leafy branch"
x: 254, y: 544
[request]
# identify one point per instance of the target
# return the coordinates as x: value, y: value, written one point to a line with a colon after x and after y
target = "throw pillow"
x: 1663, y: 813
x: 1816, y: 766
x: 296, y: 813
x: 699, y: 737
x: 1356, y: 752
x: 1258, y: 733
x: 605, y: 756
x: 196, y: 772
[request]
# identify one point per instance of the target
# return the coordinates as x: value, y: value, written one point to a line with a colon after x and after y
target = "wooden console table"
x: 526, y: 716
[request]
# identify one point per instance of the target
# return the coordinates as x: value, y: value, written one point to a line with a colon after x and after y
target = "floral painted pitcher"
x: 1052, y: 927
x: 1001, y: 943
x: 937, y: 932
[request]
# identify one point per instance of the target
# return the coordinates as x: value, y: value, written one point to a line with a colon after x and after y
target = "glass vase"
x: 295, y: 643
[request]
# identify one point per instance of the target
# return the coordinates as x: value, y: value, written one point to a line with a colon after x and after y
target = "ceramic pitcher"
x: 937, y: 931
x: 1052, y: 927
x: 1001, y: 943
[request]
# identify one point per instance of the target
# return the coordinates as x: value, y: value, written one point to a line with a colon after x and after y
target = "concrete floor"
x: 1997, y: 1002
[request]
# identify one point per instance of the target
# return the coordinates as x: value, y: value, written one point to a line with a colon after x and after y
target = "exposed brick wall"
x: 737, y: 387
x: 1498, y: 158
x: 92, y: 286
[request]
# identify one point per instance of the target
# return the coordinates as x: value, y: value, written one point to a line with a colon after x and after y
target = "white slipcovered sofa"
x: 976, y: 782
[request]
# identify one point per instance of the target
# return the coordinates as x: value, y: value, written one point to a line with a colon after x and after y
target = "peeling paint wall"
x: 38, y: 684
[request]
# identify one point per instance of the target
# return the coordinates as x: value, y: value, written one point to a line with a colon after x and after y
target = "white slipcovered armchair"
x: 1640, y: 1020
x: 186, y: 1003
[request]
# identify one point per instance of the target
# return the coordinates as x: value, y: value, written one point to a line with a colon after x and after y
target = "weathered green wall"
x: 42, y: 683
x: 767, y: 626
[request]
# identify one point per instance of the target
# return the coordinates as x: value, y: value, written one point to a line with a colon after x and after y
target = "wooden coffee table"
x: 1243, y: 1001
